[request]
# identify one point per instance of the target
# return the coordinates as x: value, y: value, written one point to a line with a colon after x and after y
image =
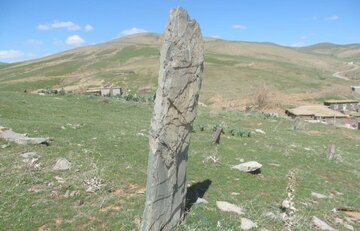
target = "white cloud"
x: 239, y: 26
x: 11, y: 54
x: 333, y: 18
x: 215, y: 36
x: 59, y: 25
x: 33, y: 42
x: 74, y: 40
x: 131, y: 31
x: 88, y: 28
x: 298, y: 44
x: 14, y: 56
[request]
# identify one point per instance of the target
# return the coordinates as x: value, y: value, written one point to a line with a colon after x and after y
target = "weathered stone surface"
x: 250, y: 166
x: 180, y: 76
x: 9, y: 135
x: 228, y: 207
x: 62, y: 164
x: 28, y: 155
x: 200, y: 200
x: 322, y: 225
x: 247, y: 224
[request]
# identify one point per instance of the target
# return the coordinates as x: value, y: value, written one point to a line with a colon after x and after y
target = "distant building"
x: 106, y: 91
x: 355, y: 89
x: 343, y: 105
x: 319, y: 112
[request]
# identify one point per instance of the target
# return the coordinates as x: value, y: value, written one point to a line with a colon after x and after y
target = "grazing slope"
x: 234, y: 71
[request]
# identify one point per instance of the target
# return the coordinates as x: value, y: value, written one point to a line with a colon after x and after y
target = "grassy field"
x: 105, y: 138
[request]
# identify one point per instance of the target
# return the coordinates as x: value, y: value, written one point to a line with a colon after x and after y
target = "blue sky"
x: 35, y: 28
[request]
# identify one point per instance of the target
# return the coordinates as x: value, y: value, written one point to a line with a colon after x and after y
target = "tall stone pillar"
x: 180, y: 76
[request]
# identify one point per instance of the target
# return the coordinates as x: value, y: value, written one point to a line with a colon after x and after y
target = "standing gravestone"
x: 216, y: 136
x: 180, y: 76
x: 331, y: 151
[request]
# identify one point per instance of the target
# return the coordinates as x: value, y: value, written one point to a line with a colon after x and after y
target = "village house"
x: 318, y: 112
x: 355, y: 89
x: 106, y: 91
x: 342, y: 105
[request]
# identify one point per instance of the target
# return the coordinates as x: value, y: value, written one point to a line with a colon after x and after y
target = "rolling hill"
x: 235, y: 72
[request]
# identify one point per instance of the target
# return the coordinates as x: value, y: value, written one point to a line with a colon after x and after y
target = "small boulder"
x: 247, y: 224
x: 200, y: 200
x: 318, y: 195
x: 322, y: 225
x: 251, y: 166
x: 260, y: 131
x: 28, y: 155
x: 228, y: 207
x: 62, y: 164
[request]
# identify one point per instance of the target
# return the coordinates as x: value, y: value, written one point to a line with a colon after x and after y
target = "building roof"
x: 327, y: 102
x: 318, y: 111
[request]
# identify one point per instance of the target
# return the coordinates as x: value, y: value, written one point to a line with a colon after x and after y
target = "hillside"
x: 235, y: 72
x: 350, y: 51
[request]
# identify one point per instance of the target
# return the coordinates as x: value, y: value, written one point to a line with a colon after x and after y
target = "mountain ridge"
x: 234, y: 71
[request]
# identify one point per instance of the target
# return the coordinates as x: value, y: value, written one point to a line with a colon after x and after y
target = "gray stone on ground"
x: 250, y: 166
x: 59, y: 179
x: 200, y: 200
x: 247, y: 224
x: 28, y: 155
x: 322, y: 225
x: 175, y: 109
x: 349, y: 227
x: 260, y: 131
x: 228, y: 207
x: 62, y: 164
x: 318, y: 195
x: 9, y: 135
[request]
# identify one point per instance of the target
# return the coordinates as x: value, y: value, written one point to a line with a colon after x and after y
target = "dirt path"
x: 341, y: 74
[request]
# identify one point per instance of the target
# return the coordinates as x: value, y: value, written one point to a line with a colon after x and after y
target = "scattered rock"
x: 67, y: 194
x: 62, y: 164
x: 349, y: 227
x: 318, y: 195
x: 54, y: 194
x: 251, y: 166
x: 234, y: 194
x: 93, y: 184
x: 274, y: 164
x: 5, y: 146
x: 9, y: 135
x: 247, y: 224
x: 74, y: 193
x: 322, y: 225
x: 33, y: 164
x: 228, y: 207
x: 285, y: 204
x: 59, y: 179
x: 271, y: 215
x: 349, y: 219
x: 28, y: 155
x: 260, y: 131
x: 200, y: 200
